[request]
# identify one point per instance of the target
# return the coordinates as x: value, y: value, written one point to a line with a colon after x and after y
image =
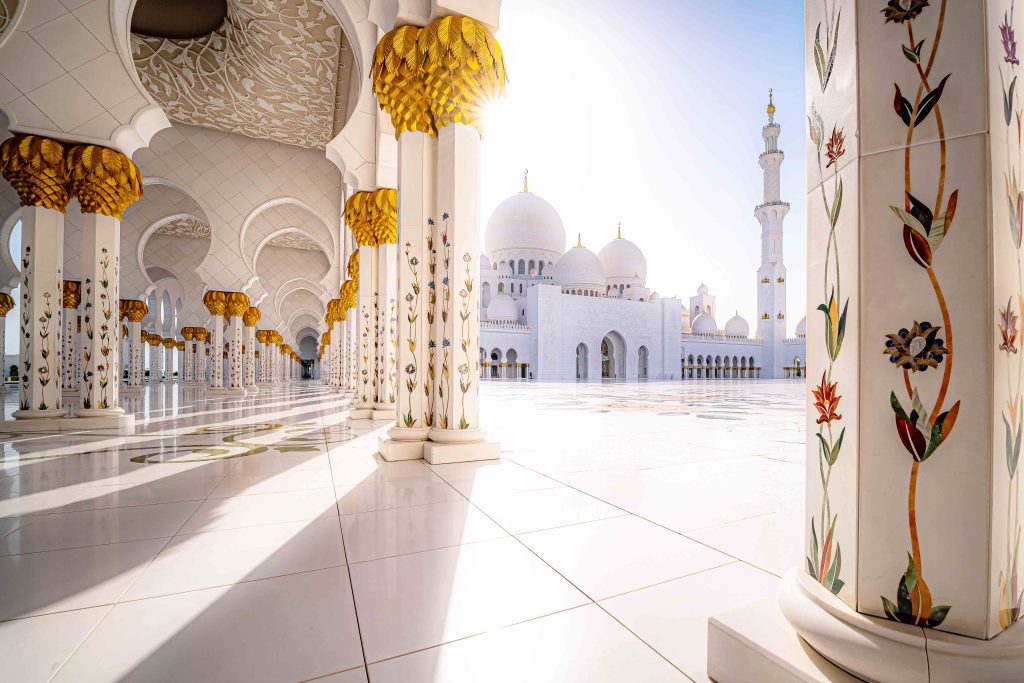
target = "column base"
x: 820, y: 639
x: 251, y: 389
x: 119, y: 424
x: 403, y: 443
x: 98, y: 412
x: 452, y: 445
x: 33, y: 414
x: 225, y: 392
x: 361, y: 412
x: 384, y: 411
x: 70, y: 393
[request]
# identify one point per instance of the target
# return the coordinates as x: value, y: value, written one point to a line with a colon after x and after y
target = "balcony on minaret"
x: 764, y: 316
x: 780, y: 315
x: 780, y: 279
x: 765, y: 281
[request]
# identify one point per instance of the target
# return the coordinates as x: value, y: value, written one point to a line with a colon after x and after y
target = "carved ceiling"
x: 275, y: 69
x: 185, y: 227
x: 295, y: 240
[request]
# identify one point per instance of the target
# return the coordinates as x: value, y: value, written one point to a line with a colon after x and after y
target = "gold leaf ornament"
x: 104, y: 180
x: 36, y: 169
x: 400, y: 91
x: 216, y: 302
x: 6, y: 304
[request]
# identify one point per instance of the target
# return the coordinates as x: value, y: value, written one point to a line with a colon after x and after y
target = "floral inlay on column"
x: 412, y: 300
x: 825, y: 560
x: 918, y: 348
x: 1010, y: 593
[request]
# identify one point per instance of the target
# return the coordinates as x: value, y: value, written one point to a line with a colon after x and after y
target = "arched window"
x: 485, y: 294
x: 522, y: 267
x: 641, y: 369
x: 501, y: 288
x: 532, y: 267
x: 540, y: 268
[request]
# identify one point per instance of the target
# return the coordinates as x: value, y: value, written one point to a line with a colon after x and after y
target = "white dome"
x: 622, y: 259
x: 502, y: 307
x: 527, y: 222
x: 703, y: 289
x: 801, y: 327
x: 485, y: 263
x: 504, y: 269
x: 580, y: 267
x: 737, y: 327
x: 704, y: 324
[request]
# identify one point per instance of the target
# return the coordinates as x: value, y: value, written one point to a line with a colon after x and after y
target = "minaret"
x: 771, y: 276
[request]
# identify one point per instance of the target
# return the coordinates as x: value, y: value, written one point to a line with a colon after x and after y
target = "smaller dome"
x: 485, y: 263
x: 703, y: 289
x: 502, y: 308
x: 704, y: 324
x: 655, y: 297
x: 580, y: 267
x: 737, y: 327
x: 504, y: 269
x: 801, y: 328
x: 623, y: 260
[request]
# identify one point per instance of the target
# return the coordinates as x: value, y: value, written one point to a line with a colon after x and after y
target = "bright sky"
x: 650, y: 112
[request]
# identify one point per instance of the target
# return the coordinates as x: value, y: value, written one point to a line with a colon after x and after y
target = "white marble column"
x: 72, y: 297
x: 911, y: 563
x: 170, y: 347
x: 387, y: 317
x: 42, y: 258
x: 135, y: 311
x: 366, y: 334
x: 6, y: 304
x: 237, y: 305
x: 335, y: 360
x: 156, y: 372
x: 216, y: 303
x: 417, y: 194
x: 249, y: 320
x: 36, y: 169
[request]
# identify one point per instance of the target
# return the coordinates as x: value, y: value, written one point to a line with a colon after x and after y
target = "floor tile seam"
x: 90, y: 545
x: 260, y: 524
x: 335, y: 673
x: 266, y: 493
x: 240, y: 582
x: 348, y: 572
x: 35, y: 615
x: 111, y: 507
x: 430, y: 550
x: 400, y: 507
x: 662, y: 582
x: 81, y: 642
x: 651, y: 521
x: 477, y: 634
x: 652, y: 648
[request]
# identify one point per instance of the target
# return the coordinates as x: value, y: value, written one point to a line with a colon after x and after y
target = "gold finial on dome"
x: 619, y: 237
x: 526, y: 185
x: 771, y: 103
x: 579, y: 240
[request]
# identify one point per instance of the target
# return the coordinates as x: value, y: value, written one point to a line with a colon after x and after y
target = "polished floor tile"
x: 673, y: 616
x: 377, y: 493
x: 61, y: 580
x: 239, y: 483
x: 398, y: 531
x: 262, y: 508
x: 218, y: 558
x: 453, y: 593
x: 96, y: 527
x: 33, y: 649
x: 620, y: 554
x: 288, y: 628
x: 582, y: 645
x: 519, y: 513
x: 166, y: 490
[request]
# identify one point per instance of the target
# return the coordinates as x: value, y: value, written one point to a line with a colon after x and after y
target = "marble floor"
x: 260, y: 539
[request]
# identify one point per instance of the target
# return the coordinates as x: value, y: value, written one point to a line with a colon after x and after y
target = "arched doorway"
x: 582, y: 356
x: 613, y: 356
x: 495, y: 363
x: 511, y: 357
x: 641, y: 365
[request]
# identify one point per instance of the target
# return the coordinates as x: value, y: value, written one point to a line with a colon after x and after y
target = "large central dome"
x: 525, y: 222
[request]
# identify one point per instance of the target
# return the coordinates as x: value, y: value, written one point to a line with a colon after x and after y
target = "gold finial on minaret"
x: 526, y: 185
x: 620, y: 231
x: 771, y: 104
x: 579, y: 240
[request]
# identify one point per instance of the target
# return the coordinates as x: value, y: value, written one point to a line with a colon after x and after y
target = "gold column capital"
x: 188, y: 333
x: 202, y: 334
x: 104, y: 180
x: 385, y: 215
x: 216, y: 302
x: 168, y: 343
x: 36, y: 169
x: 72, y: 294
x: 134, y: 310
x: 462, y: 68
x: 237, y: 304
x: 353, y: 265
x: 359, y: 218
x: 154, y: 339
x: 6, y: 304
x: 251, y: 316
x: 325, y: 338
x: 348, y: 294
x: 401, y: 93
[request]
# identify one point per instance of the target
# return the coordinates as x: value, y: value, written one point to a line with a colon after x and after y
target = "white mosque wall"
x: 559, y: 323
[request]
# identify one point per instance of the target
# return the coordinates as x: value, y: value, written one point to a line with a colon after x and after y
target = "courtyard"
x: 261, y: 538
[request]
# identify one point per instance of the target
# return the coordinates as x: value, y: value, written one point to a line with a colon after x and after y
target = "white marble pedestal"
x: 113, y: 424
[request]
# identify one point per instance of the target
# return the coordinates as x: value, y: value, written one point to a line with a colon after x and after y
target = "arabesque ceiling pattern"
x: 276, y: 70
x: 185, y: 227
x: 294, y: 240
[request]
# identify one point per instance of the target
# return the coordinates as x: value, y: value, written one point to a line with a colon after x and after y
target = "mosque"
x: 548, y: 313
